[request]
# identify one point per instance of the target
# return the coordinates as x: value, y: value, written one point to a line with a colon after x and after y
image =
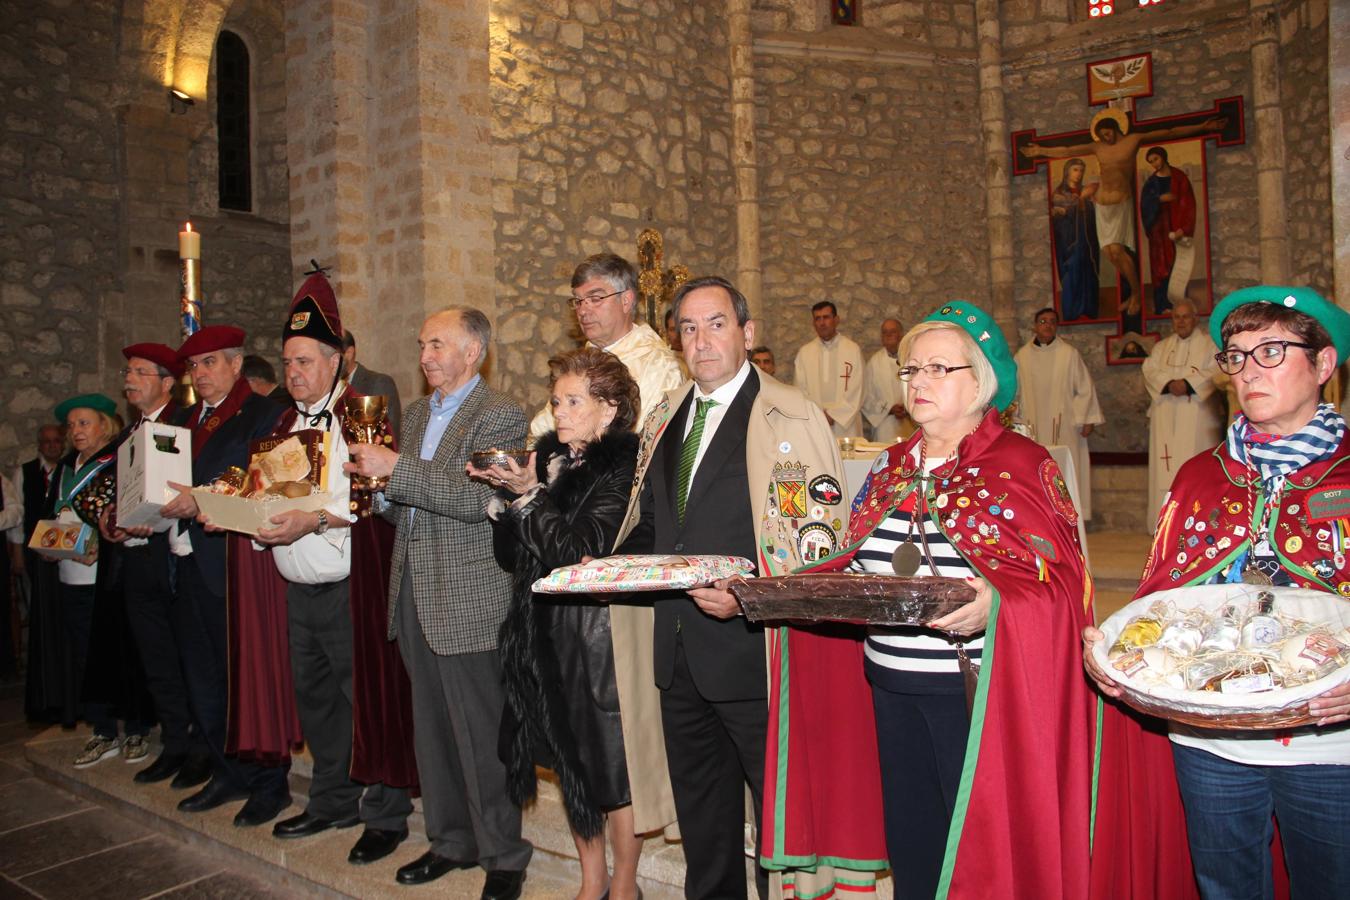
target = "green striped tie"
x: 688, y: 453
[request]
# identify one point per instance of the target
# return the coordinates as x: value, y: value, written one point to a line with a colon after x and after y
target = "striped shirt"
x: 912, y: 659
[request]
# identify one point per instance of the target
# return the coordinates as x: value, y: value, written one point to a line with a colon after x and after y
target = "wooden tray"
x: 859, y: 599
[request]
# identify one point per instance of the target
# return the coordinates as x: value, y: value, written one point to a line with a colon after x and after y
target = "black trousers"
x: 77, y: 615
x: 713, y: 749
x: 457, y: 715
x: 150, y: 602
x: 320, y: 624
x: 922, y: 744
x: 200, y: 628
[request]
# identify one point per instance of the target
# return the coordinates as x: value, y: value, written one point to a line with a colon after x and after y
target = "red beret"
x: 210, y: 339
x: 161, y: 355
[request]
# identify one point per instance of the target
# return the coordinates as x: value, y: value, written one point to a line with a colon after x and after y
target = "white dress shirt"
x: 323, y: 558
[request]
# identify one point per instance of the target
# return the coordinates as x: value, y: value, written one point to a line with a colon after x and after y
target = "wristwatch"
x: 323, y: 522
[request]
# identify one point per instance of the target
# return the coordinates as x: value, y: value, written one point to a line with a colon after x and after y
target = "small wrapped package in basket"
x: 1228, y: 656
x: 641, y: 573
x: 843, y: 597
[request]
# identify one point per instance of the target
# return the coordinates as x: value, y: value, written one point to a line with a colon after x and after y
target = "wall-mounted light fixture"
x: 179, y: 102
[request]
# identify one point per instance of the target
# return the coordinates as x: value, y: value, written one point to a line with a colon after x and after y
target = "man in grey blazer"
x: 369, y: 383
x: 447, y: 600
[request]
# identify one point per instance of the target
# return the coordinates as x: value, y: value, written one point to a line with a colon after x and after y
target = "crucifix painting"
x: 1128, y: 212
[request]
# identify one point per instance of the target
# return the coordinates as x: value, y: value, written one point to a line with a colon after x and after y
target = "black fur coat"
x: 557, y: 657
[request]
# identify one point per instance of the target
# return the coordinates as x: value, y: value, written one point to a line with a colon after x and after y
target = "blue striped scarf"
x: 1275, y: 456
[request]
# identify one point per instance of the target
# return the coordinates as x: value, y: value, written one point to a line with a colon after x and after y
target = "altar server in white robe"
x: 1057, y: 400
x: 883, y: 406
x: 830, y: 371
x: 1185, y: 417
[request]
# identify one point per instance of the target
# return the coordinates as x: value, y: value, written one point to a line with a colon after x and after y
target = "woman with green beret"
x: 888, y: 748
x: 1269, y: 505
x: 91, y: 427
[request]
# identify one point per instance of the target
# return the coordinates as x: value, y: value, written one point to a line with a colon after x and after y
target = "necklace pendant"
x: 905, y: 560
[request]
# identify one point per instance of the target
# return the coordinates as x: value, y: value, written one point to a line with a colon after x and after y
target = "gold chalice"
x: 366, y: 422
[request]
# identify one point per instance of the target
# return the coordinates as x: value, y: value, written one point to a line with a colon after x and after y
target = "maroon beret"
x: 210, y: 339
x: 161, y: 355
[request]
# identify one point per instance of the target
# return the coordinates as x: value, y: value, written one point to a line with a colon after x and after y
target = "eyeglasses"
x: 932, y: 370
x: 1267, y: 355
x: 144, y: 373
x: 592, y: 300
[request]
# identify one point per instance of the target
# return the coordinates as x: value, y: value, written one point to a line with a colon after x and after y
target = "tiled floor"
x: 56, y: 845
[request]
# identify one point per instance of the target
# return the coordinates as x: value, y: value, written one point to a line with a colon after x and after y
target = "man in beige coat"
x: 734, y: 463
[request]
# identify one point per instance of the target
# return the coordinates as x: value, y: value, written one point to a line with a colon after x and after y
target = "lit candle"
x: 189, y: 243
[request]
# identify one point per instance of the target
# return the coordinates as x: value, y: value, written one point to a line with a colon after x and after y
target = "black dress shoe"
x: 216, y: 793
x: 262, y: 808
x: 195, y: 771
x: 376, y: 843
x: 429, y: 867
x: 166, y: 766
x: 306, y: 824
x: 503, y: 884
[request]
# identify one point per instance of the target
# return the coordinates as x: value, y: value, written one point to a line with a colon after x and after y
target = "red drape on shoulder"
x: 382, y: 738
x: 262, y: 723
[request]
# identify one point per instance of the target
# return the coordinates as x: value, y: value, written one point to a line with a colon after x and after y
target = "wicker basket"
x: 858, y: 599
x: 1284, y: 708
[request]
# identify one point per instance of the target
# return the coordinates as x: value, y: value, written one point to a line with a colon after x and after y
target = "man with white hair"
x: 1184, y: 414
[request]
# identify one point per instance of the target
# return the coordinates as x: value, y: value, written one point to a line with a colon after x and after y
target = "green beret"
x: 989, y: 338
x: 1303, y: 299
x: 96, y: 402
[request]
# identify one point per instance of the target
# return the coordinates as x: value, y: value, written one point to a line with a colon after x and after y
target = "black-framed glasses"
x: 1267, y: 355
x: 591, y: 300
x: 932, y: 370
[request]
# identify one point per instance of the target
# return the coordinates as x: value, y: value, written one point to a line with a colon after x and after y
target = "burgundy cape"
x: 1212, y: 500
x: 263, y: 724
x: 1022, y: 821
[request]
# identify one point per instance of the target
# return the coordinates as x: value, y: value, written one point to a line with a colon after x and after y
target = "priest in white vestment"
x: 882, y: 397
x: 1182, y: 379
x: 1056, y: 399
x: 829, y: 370
x: 604, y: 296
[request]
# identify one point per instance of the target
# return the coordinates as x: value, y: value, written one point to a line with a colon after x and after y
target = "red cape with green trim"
x: 1023, y: 817
x: 1205, y: 522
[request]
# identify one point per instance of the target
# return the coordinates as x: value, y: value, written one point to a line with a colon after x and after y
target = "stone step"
x: 317, y: 866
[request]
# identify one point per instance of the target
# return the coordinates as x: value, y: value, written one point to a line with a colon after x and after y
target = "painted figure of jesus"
x: 1115, y: 147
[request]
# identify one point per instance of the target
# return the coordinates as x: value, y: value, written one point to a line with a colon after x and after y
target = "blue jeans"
x: 1228, y: 822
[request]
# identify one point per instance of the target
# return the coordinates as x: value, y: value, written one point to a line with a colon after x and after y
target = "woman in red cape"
x: 1020, y: 817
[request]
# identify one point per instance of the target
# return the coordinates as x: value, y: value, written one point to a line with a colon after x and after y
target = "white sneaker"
x: 134, y: 748
x: 97, y: 750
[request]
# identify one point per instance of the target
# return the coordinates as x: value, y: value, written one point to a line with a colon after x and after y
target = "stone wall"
x: 608, y: 117
x: 1306, y: 108
x: 867, y: 196
x: 247, y: 277
x: 59, y: 195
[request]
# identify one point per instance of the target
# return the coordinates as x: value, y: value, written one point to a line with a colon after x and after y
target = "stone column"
x: 1338, y: 73
x: 391, y: 176
x: 740, y: 43
x: 1269, y: 126
x: 997, y: 167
